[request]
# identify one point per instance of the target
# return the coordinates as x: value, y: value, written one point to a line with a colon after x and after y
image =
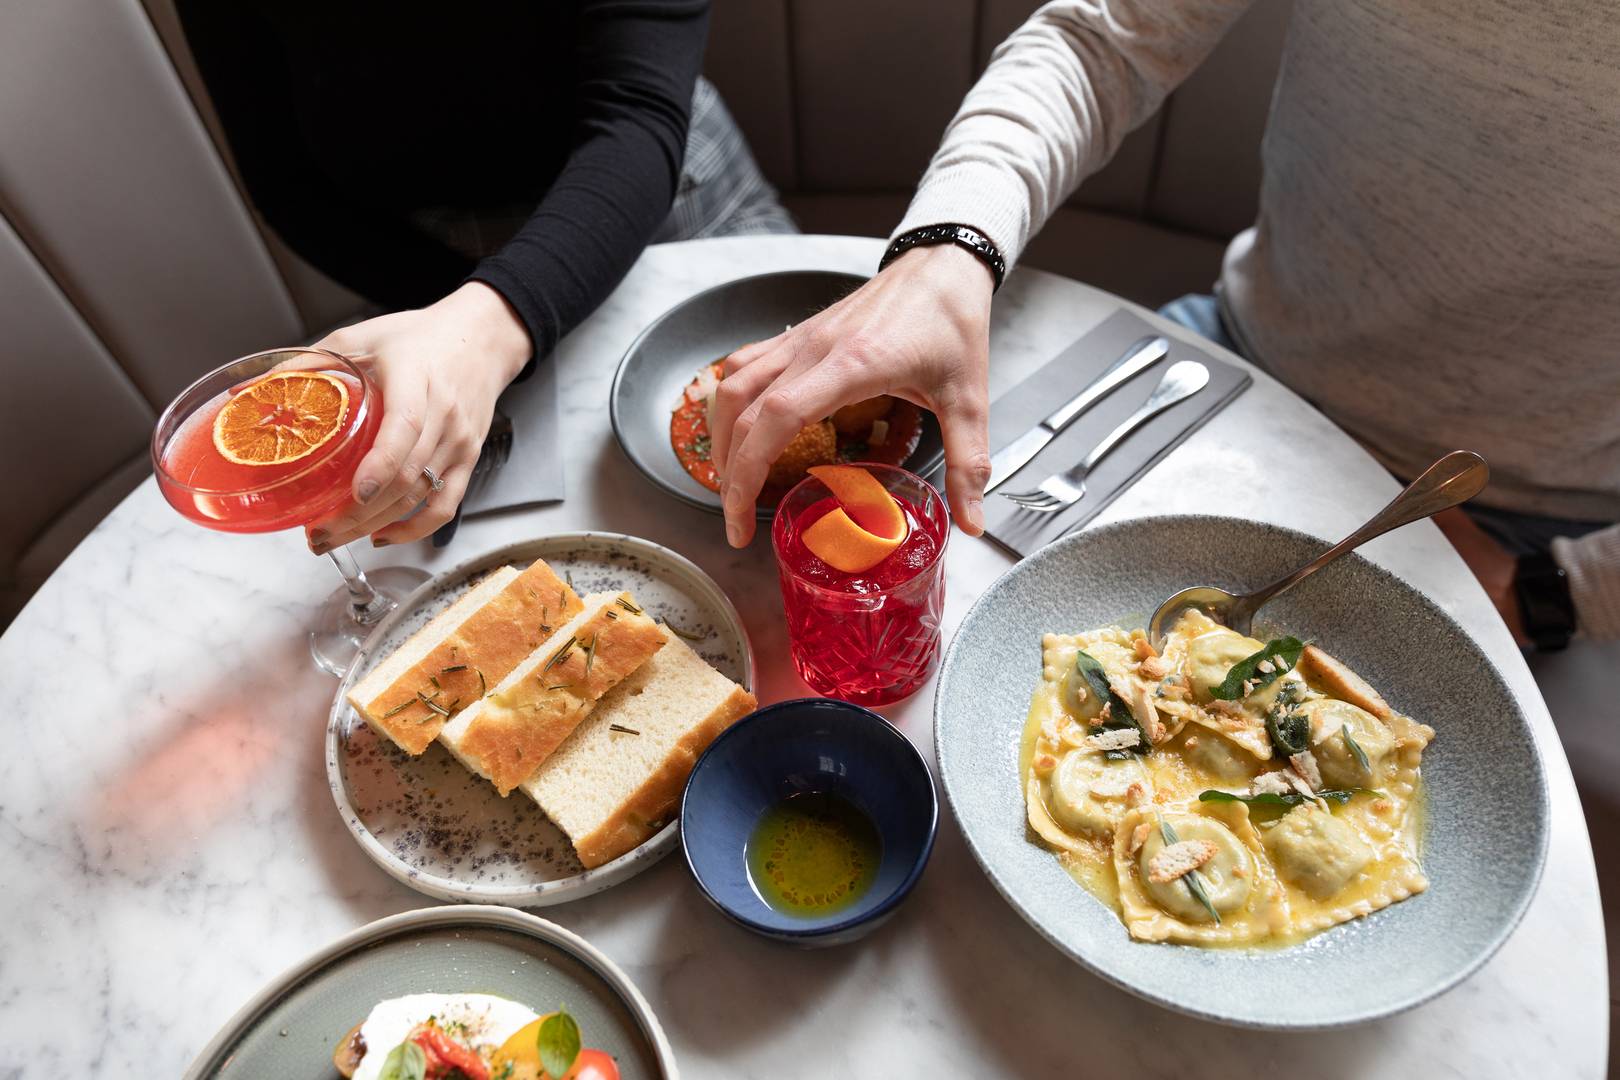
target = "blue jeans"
x: 1521, y: 534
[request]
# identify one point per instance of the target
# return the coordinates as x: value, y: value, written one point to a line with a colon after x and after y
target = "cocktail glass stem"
x: 366, y: 604
x: 348, y: 615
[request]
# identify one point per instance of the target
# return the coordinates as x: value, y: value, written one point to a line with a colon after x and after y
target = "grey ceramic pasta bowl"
x: 1486, y: 827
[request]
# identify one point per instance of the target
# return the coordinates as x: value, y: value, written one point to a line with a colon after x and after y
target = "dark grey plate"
x: 1486, y: 835
x: 663, y: 359
x: 288, y: 1030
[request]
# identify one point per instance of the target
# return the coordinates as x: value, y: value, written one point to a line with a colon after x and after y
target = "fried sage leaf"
x: 1247, y: 675
x: 1356, y: 750
x: 1292, y: 798
x: 1119, y: 710
x: 1192, y: 878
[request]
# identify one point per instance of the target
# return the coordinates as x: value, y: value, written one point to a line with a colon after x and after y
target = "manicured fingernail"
x: 367, y: 490
x: 318, y: 538
x: 975, y: 513
x: 380, y: 541
x: 318, y: 549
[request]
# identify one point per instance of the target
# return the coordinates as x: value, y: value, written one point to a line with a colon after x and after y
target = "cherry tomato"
x: 445, y: 1056
x: 593, y: 1065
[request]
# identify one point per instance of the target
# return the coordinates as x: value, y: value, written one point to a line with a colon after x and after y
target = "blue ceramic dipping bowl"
x: 796, y: 747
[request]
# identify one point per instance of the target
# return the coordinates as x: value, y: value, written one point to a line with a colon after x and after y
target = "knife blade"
x: 1141, y: 355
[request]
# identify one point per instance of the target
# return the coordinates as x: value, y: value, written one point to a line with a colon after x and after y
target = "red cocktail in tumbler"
x: 869, y: 636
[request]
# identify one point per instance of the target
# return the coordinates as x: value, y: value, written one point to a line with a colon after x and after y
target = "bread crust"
x: 1343, y: 683
x: 486, y: 646
x: 350, y: 1050
x: 654, y: 802
x: 518, y: 729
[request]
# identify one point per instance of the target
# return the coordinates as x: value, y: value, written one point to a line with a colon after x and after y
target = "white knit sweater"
x: 1436, y: 262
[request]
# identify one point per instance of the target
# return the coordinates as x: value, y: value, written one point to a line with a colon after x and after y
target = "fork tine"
x: 1034, y: 501
x: 1023, y: 496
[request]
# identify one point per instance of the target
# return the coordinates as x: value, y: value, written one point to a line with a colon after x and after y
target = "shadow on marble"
x: 188, y: 779
x: 1037, y: 989
x: 1582, y: 689
x: 774, y: 986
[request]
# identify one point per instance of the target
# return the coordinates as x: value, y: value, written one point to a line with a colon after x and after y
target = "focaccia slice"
x: 506, y: 737
x: 465, y: 651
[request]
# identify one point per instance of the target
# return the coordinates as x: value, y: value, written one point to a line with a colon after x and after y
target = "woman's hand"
x: 440, y: 369
x: 920, y: 330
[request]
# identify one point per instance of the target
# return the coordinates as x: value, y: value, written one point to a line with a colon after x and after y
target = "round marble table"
x: 169, y: 842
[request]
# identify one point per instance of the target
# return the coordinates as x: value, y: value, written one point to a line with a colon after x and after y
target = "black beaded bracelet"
x: 963, y: 236
x: 1545, y: 604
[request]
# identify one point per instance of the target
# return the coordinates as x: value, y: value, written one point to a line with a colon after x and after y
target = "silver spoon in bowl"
x: 1453, y: 479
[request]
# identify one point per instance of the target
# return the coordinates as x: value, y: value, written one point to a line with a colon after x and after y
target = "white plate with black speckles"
x: 443, y: 831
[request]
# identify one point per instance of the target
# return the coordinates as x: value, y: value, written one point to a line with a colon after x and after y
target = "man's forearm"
x: 1054, y: 104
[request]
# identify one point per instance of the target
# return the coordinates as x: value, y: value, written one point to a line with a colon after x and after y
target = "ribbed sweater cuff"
x: 1592, y: 563
x: 987, y: 197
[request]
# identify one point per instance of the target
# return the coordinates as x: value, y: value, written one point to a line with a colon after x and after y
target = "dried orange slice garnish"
x: 865, y: 528
x: 281, y: 418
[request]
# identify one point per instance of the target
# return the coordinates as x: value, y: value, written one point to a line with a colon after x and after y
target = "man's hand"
x: 1492, y: 564
x: 920, y: 330
x: 440, y: 370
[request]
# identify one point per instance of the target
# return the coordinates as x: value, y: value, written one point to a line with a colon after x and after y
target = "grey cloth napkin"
x: 1021, y: 408
x: 533, y: 473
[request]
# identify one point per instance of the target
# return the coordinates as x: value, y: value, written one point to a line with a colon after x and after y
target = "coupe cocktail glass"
x: 872, y: 637
x: 205, y: 486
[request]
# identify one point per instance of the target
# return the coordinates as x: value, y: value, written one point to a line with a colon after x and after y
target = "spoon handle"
x: 1181, y: 381
x: 1453, y: 479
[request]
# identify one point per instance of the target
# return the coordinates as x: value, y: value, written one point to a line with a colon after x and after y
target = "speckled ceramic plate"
x: 289, y: 1029
x: 440, y: 829
x: 1486, y: 835
x: 665, y: 357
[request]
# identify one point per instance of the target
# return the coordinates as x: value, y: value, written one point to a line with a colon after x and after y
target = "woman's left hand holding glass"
x: 440, y: 369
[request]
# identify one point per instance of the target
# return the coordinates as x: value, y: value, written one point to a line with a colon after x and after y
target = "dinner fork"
x: 497, y: 448
x: 1184, y: 379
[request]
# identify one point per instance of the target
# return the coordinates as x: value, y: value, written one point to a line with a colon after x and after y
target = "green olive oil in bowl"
x: 813, y: 854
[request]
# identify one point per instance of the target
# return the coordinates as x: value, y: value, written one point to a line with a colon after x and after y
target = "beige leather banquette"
x: 130, y: 262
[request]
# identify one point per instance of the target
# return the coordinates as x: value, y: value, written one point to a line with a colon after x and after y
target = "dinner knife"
x: 1141, y: 355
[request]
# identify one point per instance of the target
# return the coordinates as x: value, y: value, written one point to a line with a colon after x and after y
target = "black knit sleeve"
x: 637, y: 61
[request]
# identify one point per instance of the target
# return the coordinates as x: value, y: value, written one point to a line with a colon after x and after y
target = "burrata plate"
x: 290, y: 1028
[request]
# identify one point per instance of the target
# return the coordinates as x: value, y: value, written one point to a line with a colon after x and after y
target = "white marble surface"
x: 170, y: 844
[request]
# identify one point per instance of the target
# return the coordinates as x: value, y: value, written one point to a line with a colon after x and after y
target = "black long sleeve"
x: 638, y: 61
x: 346, y: 120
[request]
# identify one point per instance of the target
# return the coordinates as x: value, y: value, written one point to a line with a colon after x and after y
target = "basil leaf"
x: 559, y: 1043
x: 1355, y: 748
x: 1248, y: 670
x: 1193, y: 879
x: 404, y: 1062
x: 1120, y: 714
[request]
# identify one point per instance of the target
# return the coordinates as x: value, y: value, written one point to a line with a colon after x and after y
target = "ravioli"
x: 1252, y: 821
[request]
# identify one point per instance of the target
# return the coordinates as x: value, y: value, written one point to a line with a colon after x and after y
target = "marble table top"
x: 170, y: 844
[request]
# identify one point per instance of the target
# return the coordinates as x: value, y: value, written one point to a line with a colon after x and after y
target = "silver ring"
x: 433, y: 478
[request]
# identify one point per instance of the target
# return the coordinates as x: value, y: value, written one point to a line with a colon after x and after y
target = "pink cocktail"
x: 870, y: 637
x: 272, y: 441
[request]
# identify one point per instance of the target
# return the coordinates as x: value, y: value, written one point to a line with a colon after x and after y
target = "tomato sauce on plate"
x: 689, y: 438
